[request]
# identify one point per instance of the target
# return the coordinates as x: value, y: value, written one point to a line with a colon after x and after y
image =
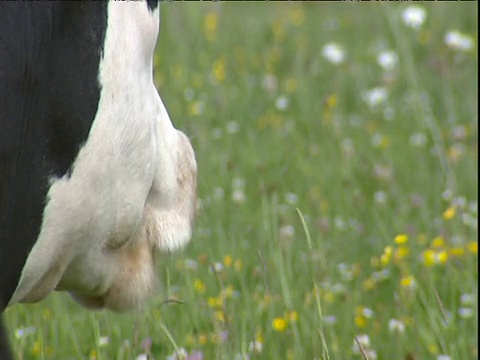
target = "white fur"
x: 132, y: 189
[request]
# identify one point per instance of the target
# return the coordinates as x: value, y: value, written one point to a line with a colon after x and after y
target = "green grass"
x: 299, y: 207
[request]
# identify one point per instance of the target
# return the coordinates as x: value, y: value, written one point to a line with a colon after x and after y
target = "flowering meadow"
x: 337, y: 146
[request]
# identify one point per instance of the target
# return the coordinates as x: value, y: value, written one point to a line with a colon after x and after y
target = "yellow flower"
x: 429, y: 257
x: 438, y: 242
x: 400, y: 239
x: 360, y: 321
x: 202, y: 339
x: 297, y: 17
x: 215, y: 302
x: 279, y: 324
x: 227, y: 260
x: 458, y: 251
x: 387, y: 254
x: 450, y: 213
x: 291, y: 316
x: 329, y: 297
x: 199, y: 286
x: 210, y: 25
x: 220, y: 315
x: 472, y: 247
x: 219, y: 69
x: 407, y: 282
x: 442, y: 257
x: 259, y: 336
x: 369, y: 284
x: 402, y: 252
x: 238, y: 265
x: 433, y: 348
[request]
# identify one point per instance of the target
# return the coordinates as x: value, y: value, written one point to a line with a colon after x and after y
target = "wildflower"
x: 472, y: 247
x: 227, y: 260
x: 216, y: 267
x: 467, y: 299
x: 361, y: 344
x: 255, y: 347
x: 458, y: 41
x: 408, y: 282
x: 292, y: 316
x: 442, y: 257
x: 219, y: 71
x: 103, y: 340
x: 456, y: 251
x: 142, y: 357
x: 297, y: 17
x: 414, y: 16
x: 196, y: 108
x: 270, y: 83
x: 238, y: 196
x: 202, y: 339
x: 387, y: 60
x: 400, y: 239
x: 199, y: 286
x: 279, y: 324
x: 418, y: 139
x: 443, y: 357
x: 438, y: 242
x: 431, y: 257
x: 215, y: 302
x: 380, y: 197
x: 220, y: 315
x: 22, y: 332
x: 375, y: 97
x: 465, y: 312
x: 291, y: 198
x: 210, y: 25
x: 233, y: 127
x: 287, y: 231
x: 395, y: 325
x: 281, y: 103
x: 334, y: 53
x: 387, y: 254
x: 360, y: 321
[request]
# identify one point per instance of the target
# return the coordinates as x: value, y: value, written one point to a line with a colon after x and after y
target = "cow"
x: 95, y: 181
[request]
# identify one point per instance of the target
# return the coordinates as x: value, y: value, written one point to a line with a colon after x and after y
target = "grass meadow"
x: 337, y: 146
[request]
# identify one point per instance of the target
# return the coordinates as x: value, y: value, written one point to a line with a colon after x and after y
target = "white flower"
x: 467, y: 299
x: 363, y: 340
x: 414, y: 16
x: 19, y: 333
x: 443, y: 357
x: 375, y: 97
x: 380, y: 197
x: 334, y: 53
x: 238, y: 183
x: 329, y: 319
x: 238, y: 196
x: 287, y: 231
x: 142, y: 357
x: 281, y: 103
x: 291, y: 198
x: 368, y: 313
x: 395, y: 325
x: 456, y: 40
x: 388, y: 60
x: 418, y: 139
x: 103, y: 340
x: 270, y: 83
x: 465, y: 312
x: 255, y: 347
x: 233, y: 127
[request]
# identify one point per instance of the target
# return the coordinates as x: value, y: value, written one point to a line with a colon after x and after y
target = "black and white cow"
x: 94, y: 178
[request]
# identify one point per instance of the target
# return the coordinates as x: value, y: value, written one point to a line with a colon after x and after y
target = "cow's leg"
x: 5, y: 352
